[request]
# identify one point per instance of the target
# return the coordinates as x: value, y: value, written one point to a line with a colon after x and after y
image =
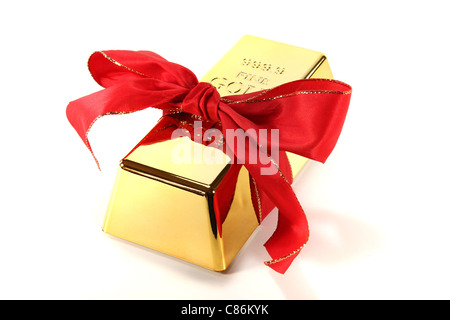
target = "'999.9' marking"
x: 255, y: 64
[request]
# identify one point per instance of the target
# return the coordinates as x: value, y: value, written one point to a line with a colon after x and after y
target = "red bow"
x: 309, y: 115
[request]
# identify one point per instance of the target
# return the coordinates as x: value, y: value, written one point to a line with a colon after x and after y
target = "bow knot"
x: 203, y: 100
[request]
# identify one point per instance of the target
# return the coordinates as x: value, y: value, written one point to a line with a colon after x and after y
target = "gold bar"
x: 169, y: 207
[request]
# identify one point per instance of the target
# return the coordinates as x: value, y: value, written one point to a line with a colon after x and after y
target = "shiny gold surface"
x: 168, y: 206
x: 255, y: 64
x: 194, y: 171
x: 164, y: 218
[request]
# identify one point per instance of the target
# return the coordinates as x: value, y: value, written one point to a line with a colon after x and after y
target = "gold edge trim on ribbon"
x: 296, y: 93
x: 279, y: 170
x: 252, y: 99
x: 117, y: 63
x: 258, y: 199
x: 267, y: 263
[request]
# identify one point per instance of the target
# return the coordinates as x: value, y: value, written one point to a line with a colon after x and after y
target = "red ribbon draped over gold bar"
x: 309, y: 115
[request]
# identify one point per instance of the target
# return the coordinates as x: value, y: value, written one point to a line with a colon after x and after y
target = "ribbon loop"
x: 203, y: 100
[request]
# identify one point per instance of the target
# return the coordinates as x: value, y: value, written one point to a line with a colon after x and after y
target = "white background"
x: 378, y: 209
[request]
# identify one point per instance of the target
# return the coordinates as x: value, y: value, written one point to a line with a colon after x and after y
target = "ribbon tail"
x: 291, y: 234
x: 292, y: 230
x: 295, y: 230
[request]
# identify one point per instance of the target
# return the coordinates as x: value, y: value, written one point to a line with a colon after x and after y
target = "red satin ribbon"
x: 308, y: 113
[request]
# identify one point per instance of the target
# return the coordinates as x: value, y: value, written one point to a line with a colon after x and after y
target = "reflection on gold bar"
x: 169, y: 206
